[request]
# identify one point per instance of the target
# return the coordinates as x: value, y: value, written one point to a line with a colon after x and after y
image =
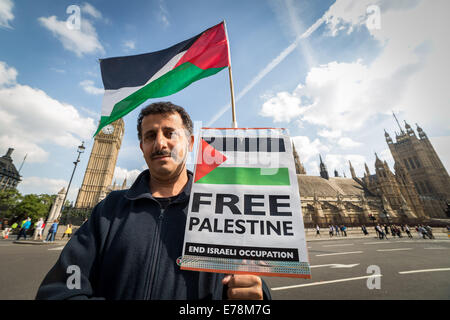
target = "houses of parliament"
x: 415, y: 190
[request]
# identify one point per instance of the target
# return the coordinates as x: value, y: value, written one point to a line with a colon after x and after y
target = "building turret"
x: 409, y: 130
x: 299, y: 168
x: 422, y: 134
x: 352, y: 170
x: 388, y: 137
x: 323, y: 169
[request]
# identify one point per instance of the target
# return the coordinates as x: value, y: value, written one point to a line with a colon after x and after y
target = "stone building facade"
x: 417, y: 190
x: 9, y: 176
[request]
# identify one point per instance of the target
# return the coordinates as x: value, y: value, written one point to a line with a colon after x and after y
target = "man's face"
x: 165, y: 143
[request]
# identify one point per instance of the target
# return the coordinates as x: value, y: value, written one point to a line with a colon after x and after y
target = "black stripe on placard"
x: 246, y: 144
x: 239, y: 252
x: 133, y: 71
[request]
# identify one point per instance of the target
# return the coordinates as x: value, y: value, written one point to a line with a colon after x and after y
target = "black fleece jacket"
x: 128, y: 249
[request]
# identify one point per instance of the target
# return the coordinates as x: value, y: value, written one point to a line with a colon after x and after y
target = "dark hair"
x: 161, y: 108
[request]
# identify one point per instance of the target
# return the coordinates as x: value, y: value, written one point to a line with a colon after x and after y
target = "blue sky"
x: 333, y: 87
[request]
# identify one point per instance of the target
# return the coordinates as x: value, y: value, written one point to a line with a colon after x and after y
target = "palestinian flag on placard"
x: 131, y: 80
x: 212, y: 167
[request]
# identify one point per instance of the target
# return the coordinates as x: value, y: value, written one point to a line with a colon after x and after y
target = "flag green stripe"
x: 246, y: 176
x: 170, y: 83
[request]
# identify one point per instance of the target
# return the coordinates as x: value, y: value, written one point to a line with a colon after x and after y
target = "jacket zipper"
x: 156, y: 248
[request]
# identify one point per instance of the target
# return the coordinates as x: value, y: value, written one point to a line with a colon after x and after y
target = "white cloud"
x: 415, y: 52
x: 340, y: 163
x: 81, y: 41
x: 330, y: 134
x: 8, y: 75
x: 163, y: 14
x: 6, y: 14
x: 44, y: 185
x: 282, y: 107
x: 348, y: 143
x: 121, y: 173
x: 29, y: 119
x: 129, y: 44
x: 91, y: 10
x: 308, y: 149
x: 88, y: 86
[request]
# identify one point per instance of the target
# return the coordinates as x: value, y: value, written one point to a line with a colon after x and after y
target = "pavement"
x: 409, y: 268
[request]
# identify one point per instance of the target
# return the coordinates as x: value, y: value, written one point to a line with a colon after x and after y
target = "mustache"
x: 160, y: 153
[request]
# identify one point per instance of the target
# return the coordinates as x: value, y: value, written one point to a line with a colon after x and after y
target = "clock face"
x: 109, y: 129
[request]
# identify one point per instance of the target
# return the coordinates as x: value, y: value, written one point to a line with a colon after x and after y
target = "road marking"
x: 437, y: 248
x: 378, y: 242
x: 57, y: 248
x: 337, y: 253
x: 324, y: 282
x: 424, y: 270
x: 398, y: 249
x: 335, y: 265
x: 339, y: 245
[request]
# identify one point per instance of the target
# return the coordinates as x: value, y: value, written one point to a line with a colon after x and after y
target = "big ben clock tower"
x: 102, y: 162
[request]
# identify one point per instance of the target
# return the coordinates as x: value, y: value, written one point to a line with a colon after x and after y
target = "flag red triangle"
x: 208, y: 159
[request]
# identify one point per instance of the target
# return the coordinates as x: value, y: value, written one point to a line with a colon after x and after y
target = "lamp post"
x: 80, y: 150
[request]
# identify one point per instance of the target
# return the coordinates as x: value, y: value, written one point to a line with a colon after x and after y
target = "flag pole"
x: 233, y: 107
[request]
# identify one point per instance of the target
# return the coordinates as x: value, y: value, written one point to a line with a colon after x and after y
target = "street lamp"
x: 80, y: 150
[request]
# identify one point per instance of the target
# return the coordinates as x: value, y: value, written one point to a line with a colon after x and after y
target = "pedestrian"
x: 24, y: 229
x: 6, y: 231
x: 423, y: 232
x: 336, y: 228
x: 429, y: 232
x: 317, y: 230
x: 52, y: 231
x: 399, y: 233
x: 392, y: 229
x: 331, y: 231
x: 364, y: 230
x: 128, y: 248
x: 39, y: 228
x: 344, y: 230
x: 68, y: 231
x: 408, y: 232
x: 386, y: 229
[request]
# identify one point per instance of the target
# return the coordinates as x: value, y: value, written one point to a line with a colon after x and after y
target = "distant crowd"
x: 26, y: 227
x: 383, y: 231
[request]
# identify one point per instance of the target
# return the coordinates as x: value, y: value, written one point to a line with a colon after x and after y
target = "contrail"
x: 267, y: 69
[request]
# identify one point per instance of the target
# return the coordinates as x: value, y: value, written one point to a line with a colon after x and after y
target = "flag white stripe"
x: 111, y: 97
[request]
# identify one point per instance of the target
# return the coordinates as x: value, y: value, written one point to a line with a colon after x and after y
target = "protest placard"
x: 244, y: 212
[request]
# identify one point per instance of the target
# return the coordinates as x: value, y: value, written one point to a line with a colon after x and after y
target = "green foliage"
x: 9, y: 199
x: 33, y: 206
x: 16, y: 207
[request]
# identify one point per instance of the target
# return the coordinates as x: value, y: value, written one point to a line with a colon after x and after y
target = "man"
x: 25, y: 226
x: 129, y: 247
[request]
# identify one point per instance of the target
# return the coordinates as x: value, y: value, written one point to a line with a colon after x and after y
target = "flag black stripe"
x: 246, y: 144
x: 133, y: 71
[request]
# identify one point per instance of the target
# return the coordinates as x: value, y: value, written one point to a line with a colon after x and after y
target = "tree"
x: 9, y: 198
x: 33, y: 206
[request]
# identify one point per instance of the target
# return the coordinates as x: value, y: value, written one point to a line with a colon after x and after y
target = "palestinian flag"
x: 213, y: 168
x: 129, y: 81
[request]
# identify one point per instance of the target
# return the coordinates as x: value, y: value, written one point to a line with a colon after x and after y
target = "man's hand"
x: 243, y: 287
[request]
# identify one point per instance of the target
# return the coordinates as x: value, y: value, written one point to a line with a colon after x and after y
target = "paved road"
x: 408, y: 269
x: 23, y: 267
x: 339, y: 270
